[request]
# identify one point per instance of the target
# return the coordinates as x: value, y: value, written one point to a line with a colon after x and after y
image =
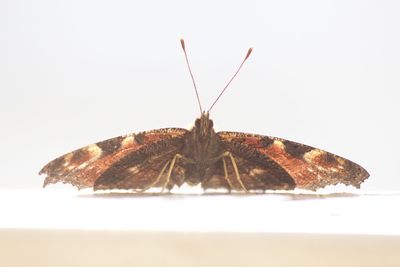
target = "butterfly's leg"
x: 226, y: 174
x: 229, y: 154
x: 171, y: 167
x: 156, y: 181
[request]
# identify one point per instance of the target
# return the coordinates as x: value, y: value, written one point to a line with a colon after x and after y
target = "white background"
x: 324, y: 73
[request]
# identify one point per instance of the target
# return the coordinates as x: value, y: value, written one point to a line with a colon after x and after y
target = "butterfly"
x: 170, y: 157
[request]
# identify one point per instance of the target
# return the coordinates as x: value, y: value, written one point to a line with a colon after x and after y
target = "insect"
x: 170, y: 157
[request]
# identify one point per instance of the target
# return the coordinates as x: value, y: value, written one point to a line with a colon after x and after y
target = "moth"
x: 233, y: 161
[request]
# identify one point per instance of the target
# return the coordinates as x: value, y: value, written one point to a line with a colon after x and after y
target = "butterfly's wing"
x: 145, y: 168
x: 309, y: 167
x: 84, y: 166
x: 255, y: 172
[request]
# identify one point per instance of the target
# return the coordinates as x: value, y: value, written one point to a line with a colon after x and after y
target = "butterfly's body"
x: 170, y: 157
x: 201, y: 150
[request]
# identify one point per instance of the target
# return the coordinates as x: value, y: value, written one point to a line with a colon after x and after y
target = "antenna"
x: 233, y: 77
x: 191, y: 74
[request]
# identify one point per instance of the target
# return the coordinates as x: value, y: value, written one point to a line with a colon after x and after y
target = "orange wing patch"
x: 310, y: 168
x: 82, y: 167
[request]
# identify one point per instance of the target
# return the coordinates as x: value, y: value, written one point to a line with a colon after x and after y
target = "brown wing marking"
x: 83, y: 166
x: 256, y: 170
x: 143, y: 168
x: 310, y: 168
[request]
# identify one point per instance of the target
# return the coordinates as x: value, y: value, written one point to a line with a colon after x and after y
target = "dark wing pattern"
x: 262, y: 174
x: 310, y: 168
x: 144, y: 168
x: 256, y: 170
x: 84, y: 166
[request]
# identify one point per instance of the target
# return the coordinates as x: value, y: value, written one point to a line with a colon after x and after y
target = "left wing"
x: 84, y: 166
x: 309, y: 167
x: 144, y: 168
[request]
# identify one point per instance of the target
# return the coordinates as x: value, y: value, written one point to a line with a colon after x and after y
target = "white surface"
x: 324, y: 73
x: 62, y: 228
x: 270, y: 213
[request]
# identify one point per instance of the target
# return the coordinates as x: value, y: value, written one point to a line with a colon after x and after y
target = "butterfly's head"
x: 203, y: 126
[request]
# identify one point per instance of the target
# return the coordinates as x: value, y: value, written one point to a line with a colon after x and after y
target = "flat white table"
x: 62, y: 227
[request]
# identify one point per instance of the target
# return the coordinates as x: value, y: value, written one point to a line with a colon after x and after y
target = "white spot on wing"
x: 279, y: 144
x: 83, y: 165
x: 70, y: 167
x: 256, y: 171
x: 133, y: 170
x: 94, y: 150
x: 341, y: 161
x: 321, y: 168
x: 310, y: 170
x: 128, y: 140
x: 312, y: 154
